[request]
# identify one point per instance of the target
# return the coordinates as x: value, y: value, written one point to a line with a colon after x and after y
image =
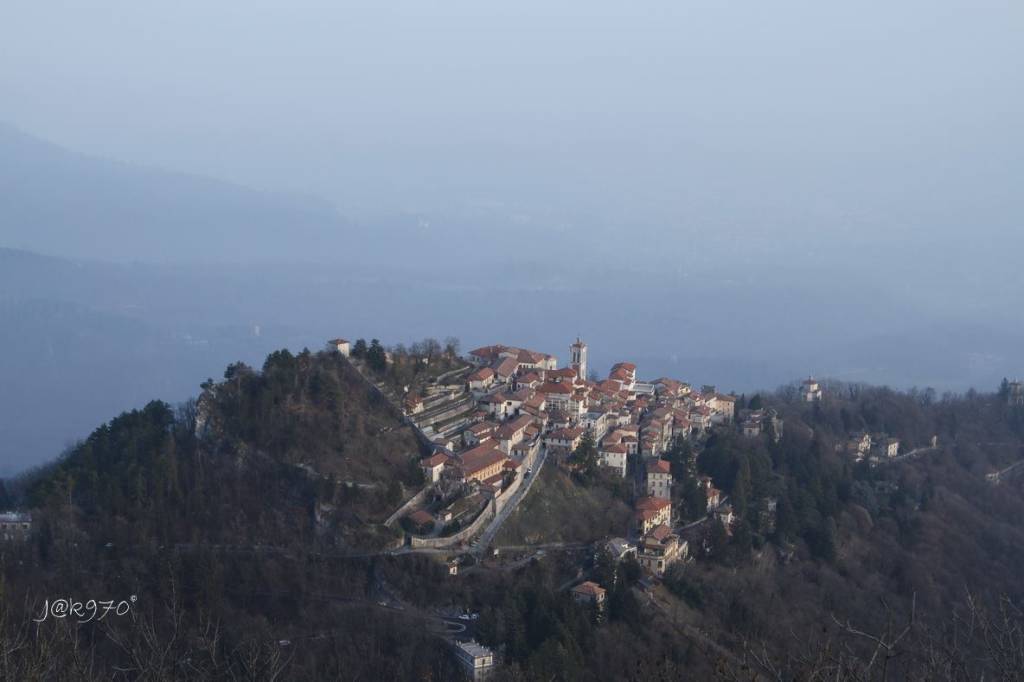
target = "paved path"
x: 441, y: 377
x: 487, y: 536
x: 908, y: 455
x: 703, y: 520
x: 998, y: 476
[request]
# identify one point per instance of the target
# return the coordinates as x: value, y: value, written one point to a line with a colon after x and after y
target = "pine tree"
x: 376, y: 357
x: 585, y: 455
x: 741, y: 489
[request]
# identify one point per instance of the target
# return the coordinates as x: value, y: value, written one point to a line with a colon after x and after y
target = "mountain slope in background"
x: 65, y: 203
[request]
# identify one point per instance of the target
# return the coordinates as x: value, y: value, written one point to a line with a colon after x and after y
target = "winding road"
x: 485, y: 539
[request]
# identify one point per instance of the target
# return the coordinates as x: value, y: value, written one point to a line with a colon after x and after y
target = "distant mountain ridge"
x: 64, y: 203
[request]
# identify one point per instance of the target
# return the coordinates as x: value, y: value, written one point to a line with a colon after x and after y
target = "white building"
x: 614, y: 457
x: 595, y: 421
x: 659, y: 479
x: 434, y: 466
x: 578, y: 359
x: 812, y: 390
x: 340, y: 345
x: 481, y: 380
x: 476, y: 659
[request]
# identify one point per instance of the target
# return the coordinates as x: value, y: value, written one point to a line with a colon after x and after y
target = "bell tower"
x: 578, y: 358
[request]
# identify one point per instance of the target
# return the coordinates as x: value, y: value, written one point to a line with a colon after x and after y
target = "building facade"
x: 578, y: 359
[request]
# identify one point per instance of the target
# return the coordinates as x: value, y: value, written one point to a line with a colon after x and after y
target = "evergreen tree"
x: 1004, y: 389
x: 605, y: 570
x: 742, y: 541
x: 376, y: 357
x: 716, y: 539
x: 694, y: 501
x: 585, y: 455
x: 680, y: 456
x: 741, y: 489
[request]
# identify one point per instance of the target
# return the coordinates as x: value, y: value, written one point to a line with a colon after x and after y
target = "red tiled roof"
x: 436, y: 460
x: 480, y: 458
x: 506, y: 367
x: 487, y: 351
x: 482, y: 428
x: 535, y: 401
x: 651, y: 504
x: 517, y: 424
x: 659, y: 466
x: 589, y: 588
x: 494, y: 481
x: 566, y: 434
x: 481, y: 374
x: 660, y: 532
x: 552, y: 387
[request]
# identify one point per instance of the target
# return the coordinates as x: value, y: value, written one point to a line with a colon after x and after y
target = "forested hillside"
x: 247, y: 462
x: 247, y: 525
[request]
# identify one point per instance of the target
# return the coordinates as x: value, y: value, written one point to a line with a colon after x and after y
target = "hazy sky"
x: 791, y: 112
x: 734, y: 191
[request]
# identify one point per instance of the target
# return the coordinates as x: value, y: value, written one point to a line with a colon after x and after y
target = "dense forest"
x: 245, y: 531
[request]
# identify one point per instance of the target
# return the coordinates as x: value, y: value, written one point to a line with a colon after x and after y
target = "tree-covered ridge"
x: 223, y: 527
x: 249, y: 461
x: 309, y: 409
x: 826, y: 552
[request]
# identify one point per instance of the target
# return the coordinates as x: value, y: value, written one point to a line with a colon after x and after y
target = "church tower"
x: 578, y: 358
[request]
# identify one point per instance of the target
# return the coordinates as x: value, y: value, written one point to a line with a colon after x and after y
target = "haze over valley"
x: 744, y: 210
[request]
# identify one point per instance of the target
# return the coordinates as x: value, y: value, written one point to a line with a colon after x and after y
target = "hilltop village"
x: 505, y: 412
x: 499, y: 499
x: 495, y: 421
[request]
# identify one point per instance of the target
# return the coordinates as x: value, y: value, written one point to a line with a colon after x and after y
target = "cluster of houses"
x: 753, y: 423
x: 521, y: 402
x: 874, y: 448
x: 491, y: 422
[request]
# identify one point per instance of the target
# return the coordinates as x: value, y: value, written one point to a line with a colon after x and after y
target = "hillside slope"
x: 234, y: 515
x: 250, y: 462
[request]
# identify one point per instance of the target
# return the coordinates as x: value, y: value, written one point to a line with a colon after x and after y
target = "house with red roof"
x: 614, y: 456
x: 651, y: 512
x: 589, y: 593
x: 340, y: 346
x: 659, y: 479
x: 481, y: 379
x: 481, y: 463
x: 433, y: 466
